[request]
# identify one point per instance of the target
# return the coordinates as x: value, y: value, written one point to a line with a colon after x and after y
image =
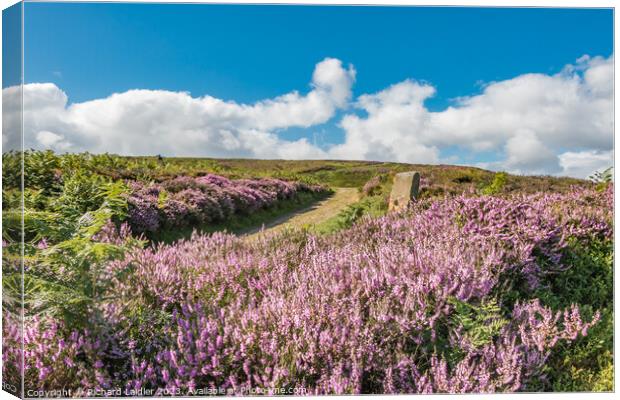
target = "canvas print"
x: 221, y: 199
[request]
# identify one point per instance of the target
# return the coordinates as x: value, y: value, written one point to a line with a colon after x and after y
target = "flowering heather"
x: 387, y: 306
x: 371, y: 186
x: 54, y: 359
x: 187, y: 201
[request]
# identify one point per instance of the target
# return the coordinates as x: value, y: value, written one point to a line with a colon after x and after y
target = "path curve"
x: 315, y: 214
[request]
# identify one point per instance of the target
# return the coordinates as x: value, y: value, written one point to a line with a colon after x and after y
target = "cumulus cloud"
x: 525, y: 152
x: 585, y: 163
x: 394, y: 129
x: 529, y: 120
x: 11, y: 118
x: 175, y: 123
x: 534, y: 123
x: 51, y: 139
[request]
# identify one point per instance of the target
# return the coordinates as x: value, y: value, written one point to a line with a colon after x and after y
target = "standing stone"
x: 406, y: 187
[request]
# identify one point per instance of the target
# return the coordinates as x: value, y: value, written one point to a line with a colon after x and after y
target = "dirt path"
x: 316, y: 213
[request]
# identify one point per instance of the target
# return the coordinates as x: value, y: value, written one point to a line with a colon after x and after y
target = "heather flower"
x: 371, y: 186
x: 371, y: 309
x: 186, y: 201
x: 53, y: 358
x: 42, y: 245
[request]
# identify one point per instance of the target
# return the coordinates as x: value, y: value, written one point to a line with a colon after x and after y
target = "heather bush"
x: 185, y: 201
x: 459, y: 295
x: 55, y: 359
x: 372, y: 187
x: 586, y: 365
x: 462, y: 294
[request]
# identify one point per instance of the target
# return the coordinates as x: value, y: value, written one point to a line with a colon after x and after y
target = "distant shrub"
x: 498, y: 184
x: 463, y: 179
x: 350, y: 215
x: 374, y: 206
x: 372, y: 187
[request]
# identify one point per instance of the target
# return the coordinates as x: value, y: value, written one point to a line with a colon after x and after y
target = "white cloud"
x: 535, y: 123
x: 525, y: 153
x: 395, y: 128
x: 11, y: 118
x: 529, y: 120
x: 584, y: 163
x: 175, y: 123
x: 51, y: 139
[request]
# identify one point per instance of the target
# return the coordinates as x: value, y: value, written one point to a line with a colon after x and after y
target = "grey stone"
x: 405, y: 188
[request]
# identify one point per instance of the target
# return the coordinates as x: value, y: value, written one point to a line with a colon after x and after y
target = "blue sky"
x: 11, y: 46
x: 247, y: 54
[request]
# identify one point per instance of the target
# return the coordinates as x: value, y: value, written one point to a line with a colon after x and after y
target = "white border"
x: 471, y: 3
